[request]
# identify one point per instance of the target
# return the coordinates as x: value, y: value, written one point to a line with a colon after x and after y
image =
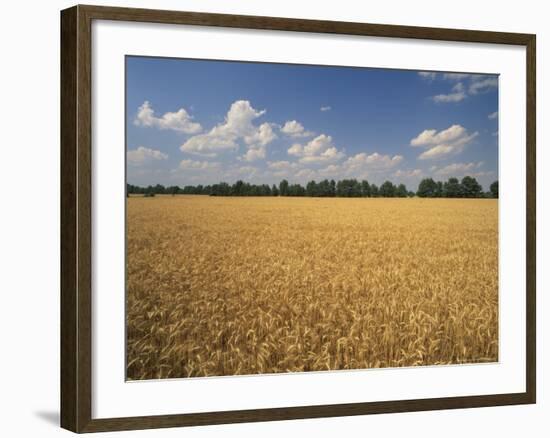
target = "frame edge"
x: 76, y: 191
x: 531, y: 217
x: 75, y: 118
x: 69, y: 347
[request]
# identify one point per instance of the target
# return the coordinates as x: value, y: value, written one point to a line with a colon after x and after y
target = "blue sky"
x: 202, y: 122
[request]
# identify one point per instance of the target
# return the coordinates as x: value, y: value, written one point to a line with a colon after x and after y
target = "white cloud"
x: 257, y: 142
x: 330, y: 154
x: 281, y: 165
x: 294, y: 128
x: 143, y: 154
x: 457, y: 94
x: 179, y: 121
x: 456, y: 76
x: 361, y: 165
x: 281, y: 168
x: 261, y: 137
x: 478, y: 83
x: 198, y: 165
x: 430, y: 137
x: 412, y: 173
x: 305, y: 174
x: 493, y: 116
x: 451, y: 97
x: 331, y: 170
x: 247, y: 171
x: 458, y: 87
x: 436, y: 152
x: 237, y: 126
x: 254, y: 154
x: 296, y: 150
x: 447, y: 142
x: 481, y: 84
x: 373, y: 161
x: 461, y: 169
x: 427, y: 75
x: 320, y: 149
x: 325, y: 108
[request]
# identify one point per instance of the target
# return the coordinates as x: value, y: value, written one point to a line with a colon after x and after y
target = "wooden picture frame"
x: 76, y: 217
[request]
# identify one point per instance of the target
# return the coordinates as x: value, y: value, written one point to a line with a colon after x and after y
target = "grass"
x: 228, y: 286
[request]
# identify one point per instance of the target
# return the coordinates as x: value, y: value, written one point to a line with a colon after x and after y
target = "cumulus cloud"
x: 482, y: 84
x: 456, y: 95
x: 246, y: 171
x: 318, y: 150
x: 254, y: 154
x: 493, y: 116
x: 331, y: 170
x: 373, y: 161
x: 477, y: 83
x: 427, y: 75
x: 305, y: 174
x: 412, y: 173
x: 261, y: 136
x: 436, y: 152
x: 441, y: 144
x: 461, y: 169
x: 325, y: 108
x: 451, y: 97
x: 198, y: 165
x: 143, y: 154
x: 179, y: 121
x: 237, y: 126
x: 361, y: 165
x: 281, y: 165
x: 257, y: 142
x: 294, y: 128
x: 456, y: 76
x: 281, y: 168
x: 430, y: 137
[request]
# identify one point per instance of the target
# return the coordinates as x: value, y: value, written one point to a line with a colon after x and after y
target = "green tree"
x: 348, y: 188
x: 283, y: 188
x: 323, y: 188
x: 173, y: 190
x: 311, y: 189
x: 159, y: 189
x: 427, y: 188
x: 387, y: 190
x: 451, y: 189
x: 296, y: 190
x: 274, y: 190
x: 439, y: 192
x: 365, y: 189
x: 374, y: 190
x: 401, y: 191
x: 238, y: 189
x: 494, y: 189
x: 470, y: 187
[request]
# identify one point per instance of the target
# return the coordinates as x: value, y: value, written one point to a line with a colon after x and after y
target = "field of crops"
x: 226, y: 286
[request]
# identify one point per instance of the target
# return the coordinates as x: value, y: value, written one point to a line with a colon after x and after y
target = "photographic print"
x: 293, y: 218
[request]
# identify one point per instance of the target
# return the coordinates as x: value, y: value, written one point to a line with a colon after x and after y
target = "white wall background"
x: 29, y: 219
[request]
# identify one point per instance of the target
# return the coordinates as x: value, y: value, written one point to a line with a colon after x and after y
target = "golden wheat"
x: 226, y: 286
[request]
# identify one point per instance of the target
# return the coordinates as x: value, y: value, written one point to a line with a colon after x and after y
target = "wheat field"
x: 230, y: 286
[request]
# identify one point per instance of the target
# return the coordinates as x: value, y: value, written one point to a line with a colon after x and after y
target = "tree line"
x: 468, y: 187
